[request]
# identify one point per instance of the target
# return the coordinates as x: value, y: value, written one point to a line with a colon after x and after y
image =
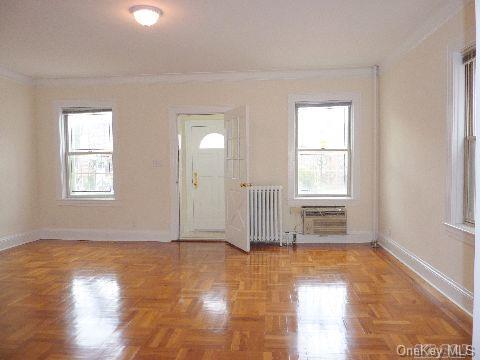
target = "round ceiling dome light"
x: 146, y: 15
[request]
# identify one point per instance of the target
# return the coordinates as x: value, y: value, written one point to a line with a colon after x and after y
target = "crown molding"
x: 14, y: 76
x: 431, y: 25
x: 209, y: 77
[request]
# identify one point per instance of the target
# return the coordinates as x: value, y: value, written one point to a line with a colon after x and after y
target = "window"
x: 212, y: 141
x: 88, y: 153
x: 460, y: 195
x: 323, y: 149
x: 469, y: 139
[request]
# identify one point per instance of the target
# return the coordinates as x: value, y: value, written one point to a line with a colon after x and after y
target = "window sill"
x: 320, y: 201
x: 88, y: 202
x: 462, y: 232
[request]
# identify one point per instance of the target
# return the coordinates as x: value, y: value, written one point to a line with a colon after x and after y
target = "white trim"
x: 355, y: 98
x: 461, y: 232
x: 105, y: 235
x: 476, y: 265
x: 376, y: 153
x: 355, y: 237
x: 173, y: 113
x: 12, y: 240
x: 209, y: 77
x: 61, y: 195
x: 321, y: 201
x: 455, y: 292
x: 17, y: 77
x: 89, y: 202
x: 455, y: 130
x: 431, y: 25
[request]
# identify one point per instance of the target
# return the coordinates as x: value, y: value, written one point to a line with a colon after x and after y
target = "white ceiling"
x: 90, y: 38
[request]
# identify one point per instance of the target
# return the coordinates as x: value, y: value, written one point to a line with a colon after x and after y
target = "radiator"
x: 265, y: 204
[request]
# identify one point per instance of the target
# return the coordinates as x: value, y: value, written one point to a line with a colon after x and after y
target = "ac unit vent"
x: 325, y: 220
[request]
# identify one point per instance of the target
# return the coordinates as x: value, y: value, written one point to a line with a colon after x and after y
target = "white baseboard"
x: 105, y: 235
x: 9, y: 241
x: 357, y: 237
x: 448, y: 287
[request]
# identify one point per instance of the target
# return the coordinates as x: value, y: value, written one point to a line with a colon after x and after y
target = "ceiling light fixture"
x: 146, y: 15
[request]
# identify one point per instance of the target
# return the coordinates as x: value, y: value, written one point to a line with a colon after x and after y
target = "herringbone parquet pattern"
x: 86, y: 300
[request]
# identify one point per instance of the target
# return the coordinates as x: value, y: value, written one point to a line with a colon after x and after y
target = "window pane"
x: 90, y: 174
x: 323, y: 127
x: 322, y: 173
x: 90, y: 131
x: 212, y: 141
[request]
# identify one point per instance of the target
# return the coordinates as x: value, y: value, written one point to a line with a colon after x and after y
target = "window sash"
x: 320, y: 150
x: 325, y: 194
x: 87, y: 193
x: 85, y: 152
x: 469, y: 140
x: 469, y: 204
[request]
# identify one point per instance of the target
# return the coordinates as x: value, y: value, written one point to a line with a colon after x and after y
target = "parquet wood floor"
x: 104, y: 300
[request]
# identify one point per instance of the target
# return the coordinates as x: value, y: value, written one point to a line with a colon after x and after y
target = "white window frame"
x: 62, y: 184
x: 454, y: 208
x: 469, y: 136
x: 354, y: 190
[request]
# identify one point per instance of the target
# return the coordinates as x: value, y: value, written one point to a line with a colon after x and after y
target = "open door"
x: 237, y: 224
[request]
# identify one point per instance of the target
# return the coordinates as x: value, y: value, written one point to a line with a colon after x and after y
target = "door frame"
x: 173, y: 113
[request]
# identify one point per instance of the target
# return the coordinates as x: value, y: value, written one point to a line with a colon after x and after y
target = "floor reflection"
x: 320, y: 312
x: 96, y: 307
x: 214, y: 303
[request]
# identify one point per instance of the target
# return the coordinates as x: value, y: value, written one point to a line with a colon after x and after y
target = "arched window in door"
x: 212, y: 141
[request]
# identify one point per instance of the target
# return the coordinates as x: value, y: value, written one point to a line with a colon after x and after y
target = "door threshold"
x: 200, y: 240
x: 203, y: 235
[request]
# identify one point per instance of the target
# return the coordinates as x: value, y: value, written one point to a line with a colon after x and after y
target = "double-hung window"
x: 88, y: 153
x: 323, y: 149
x: 469, y: 139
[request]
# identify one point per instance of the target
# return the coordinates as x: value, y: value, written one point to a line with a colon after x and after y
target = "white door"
x: 205, y: 161
x: 207, y: 180
x: 236, y: 178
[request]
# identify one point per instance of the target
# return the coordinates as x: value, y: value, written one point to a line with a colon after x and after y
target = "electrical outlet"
x: 157, y: 163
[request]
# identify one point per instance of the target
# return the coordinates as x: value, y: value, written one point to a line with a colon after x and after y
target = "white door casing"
x: 173, y: 113
x: 237, y: 178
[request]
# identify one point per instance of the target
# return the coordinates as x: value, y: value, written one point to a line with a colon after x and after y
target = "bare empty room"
x: 239, y: 179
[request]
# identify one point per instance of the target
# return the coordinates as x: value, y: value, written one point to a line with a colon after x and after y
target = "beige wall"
x: 414, y: 148
x: 143, y: 135
x: 18, y: 190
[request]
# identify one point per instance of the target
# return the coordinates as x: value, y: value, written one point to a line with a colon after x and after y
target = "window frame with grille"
x: 64, y: 194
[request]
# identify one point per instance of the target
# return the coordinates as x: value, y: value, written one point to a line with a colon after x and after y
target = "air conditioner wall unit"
x: 324, y: 220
